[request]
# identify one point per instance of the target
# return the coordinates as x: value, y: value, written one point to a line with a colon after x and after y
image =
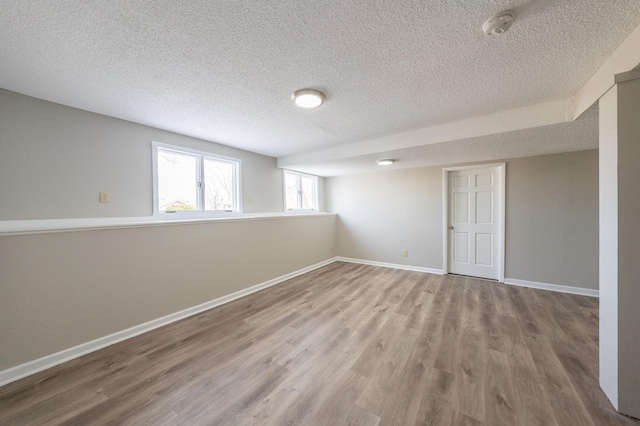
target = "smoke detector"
x: 498, y: 23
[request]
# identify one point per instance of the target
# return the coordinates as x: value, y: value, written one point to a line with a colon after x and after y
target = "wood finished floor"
x: 344, y: 344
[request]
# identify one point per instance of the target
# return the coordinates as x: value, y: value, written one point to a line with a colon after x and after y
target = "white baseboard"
x: 23, y: 370
x: 509, y: 281
x: 553, y: 287
x: 390, y: 265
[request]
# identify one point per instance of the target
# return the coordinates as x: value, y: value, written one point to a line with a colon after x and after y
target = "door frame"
x: 500, y: 255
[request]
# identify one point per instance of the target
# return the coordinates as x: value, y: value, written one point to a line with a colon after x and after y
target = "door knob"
x: 451, y: 227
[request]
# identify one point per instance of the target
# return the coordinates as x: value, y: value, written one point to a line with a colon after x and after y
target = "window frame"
x: 200, y: 190
x: 299, y: 175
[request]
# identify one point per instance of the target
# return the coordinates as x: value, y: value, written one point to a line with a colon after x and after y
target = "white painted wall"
x: 551, y: 210
x: 54, y: 160
x: 608, y: 335
x: 619, y: 246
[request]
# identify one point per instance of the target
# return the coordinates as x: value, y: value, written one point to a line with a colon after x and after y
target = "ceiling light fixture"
x: 308, y: 98
x: 386, y: 162
x: 498, y: 23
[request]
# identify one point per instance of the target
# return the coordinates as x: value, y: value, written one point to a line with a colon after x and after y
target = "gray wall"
x: 552, y: 219
x: 59, y: 290
x: 381, y: 214
x: 551, y: 209
x: 63, y: 289
x: 629, y: 246
x: 54, y: 160
x: 619, y: 245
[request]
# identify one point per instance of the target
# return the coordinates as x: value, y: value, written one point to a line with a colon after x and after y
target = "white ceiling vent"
x: 498, y: 23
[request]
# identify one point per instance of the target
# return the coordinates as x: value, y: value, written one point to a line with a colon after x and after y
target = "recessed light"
x: 386, y: 162
x: 307, y: 98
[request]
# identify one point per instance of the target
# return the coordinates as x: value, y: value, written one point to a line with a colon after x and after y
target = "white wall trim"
x: 445, y: 221
x: 389, y: 265
x: 45, y: 226
x: 202, y: 155
x: 284, y: 192
x: 553, y: 287
x: 23, y: 370
x: 509, y: 281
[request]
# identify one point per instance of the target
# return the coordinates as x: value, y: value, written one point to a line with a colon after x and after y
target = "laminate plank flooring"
x: 346, y: 344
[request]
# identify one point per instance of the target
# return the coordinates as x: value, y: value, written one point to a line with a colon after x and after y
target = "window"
x: 300, y: 191
x: 191, y: 181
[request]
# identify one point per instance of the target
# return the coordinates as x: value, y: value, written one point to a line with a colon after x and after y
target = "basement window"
x: 187, y: 182
x: 301, y: 191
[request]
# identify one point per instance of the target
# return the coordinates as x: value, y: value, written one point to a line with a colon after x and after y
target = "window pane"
x: 291, y: 185
x: 218, y: 185
x: 308, y: 196
x: 177, y: 181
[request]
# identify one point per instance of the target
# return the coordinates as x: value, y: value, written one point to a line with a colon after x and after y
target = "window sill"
x: 45, y: 226
x: 292, y: 212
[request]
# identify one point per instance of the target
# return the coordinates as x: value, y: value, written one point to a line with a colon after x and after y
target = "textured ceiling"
x: 578, y: 135
x: 223, y: 71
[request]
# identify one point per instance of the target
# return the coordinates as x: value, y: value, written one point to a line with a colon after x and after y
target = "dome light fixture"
x: 385, y: 162
x: 308, y: 98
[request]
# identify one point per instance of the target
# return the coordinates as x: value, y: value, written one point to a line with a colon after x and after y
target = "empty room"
x: 319, y: 213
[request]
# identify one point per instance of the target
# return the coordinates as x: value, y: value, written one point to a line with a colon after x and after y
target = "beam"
x: 544, y: 114
x: 625, y: 58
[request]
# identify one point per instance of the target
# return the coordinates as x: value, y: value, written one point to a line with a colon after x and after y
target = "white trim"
x: 284, y: 192
x: 501, y: 255
x: 445, y: 221
x: 23, y: 370
x: 201, y: 156
x: 509, y: 281
x: 46, y: 226
x: 184, y: 150
x: 502, y: 203
x: 553, y: 287
x: 473, y: 166
x: 390, y: 265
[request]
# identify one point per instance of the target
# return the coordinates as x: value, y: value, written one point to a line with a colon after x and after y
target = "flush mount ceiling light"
x: 386, y: 162
x: 498, y: 23
x: 307, y: 98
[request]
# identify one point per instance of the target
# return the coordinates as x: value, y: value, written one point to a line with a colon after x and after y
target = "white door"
x: 474, y: 227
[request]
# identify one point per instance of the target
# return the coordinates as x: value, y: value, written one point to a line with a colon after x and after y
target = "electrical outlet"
x: 104, y: 197
x: 405, y: 253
